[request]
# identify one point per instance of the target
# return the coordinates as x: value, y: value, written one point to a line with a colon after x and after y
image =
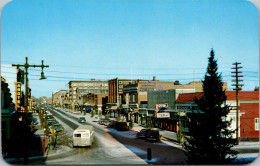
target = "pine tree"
x: 210, y: 138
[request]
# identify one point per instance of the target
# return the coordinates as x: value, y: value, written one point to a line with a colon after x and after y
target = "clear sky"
x: 134, y: 39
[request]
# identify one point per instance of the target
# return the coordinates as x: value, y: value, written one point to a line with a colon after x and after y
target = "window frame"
x: 256, y: 123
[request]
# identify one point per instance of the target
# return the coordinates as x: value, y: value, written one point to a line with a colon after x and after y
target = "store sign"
x: 18, y: 94
x: 158, y: 106
x: 182, y: 113
x: 113, y: 108
x: 163, y: 115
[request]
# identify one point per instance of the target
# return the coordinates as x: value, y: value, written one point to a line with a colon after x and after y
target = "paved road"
x: 106, y: 149
x: 161, y: 153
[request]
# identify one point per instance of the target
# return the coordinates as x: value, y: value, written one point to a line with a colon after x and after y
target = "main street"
x: 111, y: 146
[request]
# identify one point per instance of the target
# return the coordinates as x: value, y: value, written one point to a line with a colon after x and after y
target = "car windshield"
x: 153, y: 133
x: 85, y: 135
x: 144, y: 130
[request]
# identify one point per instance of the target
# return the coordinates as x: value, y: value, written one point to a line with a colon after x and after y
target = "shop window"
x: 256, y: 123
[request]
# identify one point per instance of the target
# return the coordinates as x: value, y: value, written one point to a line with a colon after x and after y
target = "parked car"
x: 102, y: 121
x: 111, y: 123
x: 143, y: 133
x: 52, y: 121
x: 153, y: 135
x: 82, y: 120
x: 96, y: 119
x: 75, y: 112
x: 57, y: 127
x: 34, y: 121
x: 49, y: 116
x: 121, y: 126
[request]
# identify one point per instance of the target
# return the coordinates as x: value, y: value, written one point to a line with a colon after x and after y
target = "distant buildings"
x: 60, y: 98
x: 95, y: 102
x: 79, y: 88
x: 164, y: 103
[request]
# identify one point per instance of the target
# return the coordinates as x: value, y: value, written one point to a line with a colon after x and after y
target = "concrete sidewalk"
x: 172, y: 137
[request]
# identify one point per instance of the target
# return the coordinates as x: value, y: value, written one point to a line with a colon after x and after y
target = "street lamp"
x: 26, y: 67
x: 43, y: 142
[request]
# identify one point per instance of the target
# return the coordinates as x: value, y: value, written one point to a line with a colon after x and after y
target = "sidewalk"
x: 242, y: 147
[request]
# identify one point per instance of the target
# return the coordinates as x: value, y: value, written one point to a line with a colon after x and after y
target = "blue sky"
x: 135, y: 39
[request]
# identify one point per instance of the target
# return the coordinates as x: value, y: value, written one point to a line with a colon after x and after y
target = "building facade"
x: 7, y: 111
x: 115, y: 90
x: 248, y: 113
x: 79, y: 88
x: 162, y: 109
x: 59, y: 99
x: 96, y: 102
x: 135, y: 96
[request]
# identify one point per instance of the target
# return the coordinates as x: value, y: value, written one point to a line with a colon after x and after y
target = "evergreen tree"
x: 210, y: 138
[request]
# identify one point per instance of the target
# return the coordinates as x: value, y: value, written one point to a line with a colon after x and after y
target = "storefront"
x: 142, y: 116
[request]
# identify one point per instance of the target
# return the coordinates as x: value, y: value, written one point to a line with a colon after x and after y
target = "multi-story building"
x: 7, y: 111
x: 135, y: 96
x: 97, y: 102
x: 78, y: 88
x: 59, y: 98
x: 115, y: 89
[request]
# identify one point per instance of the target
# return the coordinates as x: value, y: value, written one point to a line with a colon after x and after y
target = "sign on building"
x: 18, y: 94
x: 163, y: 115
x: 158, y: 106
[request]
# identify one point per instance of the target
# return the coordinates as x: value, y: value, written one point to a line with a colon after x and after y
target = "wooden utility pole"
x: 237, y: 89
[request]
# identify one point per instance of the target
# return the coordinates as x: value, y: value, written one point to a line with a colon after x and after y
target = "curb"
x: 10, y: 160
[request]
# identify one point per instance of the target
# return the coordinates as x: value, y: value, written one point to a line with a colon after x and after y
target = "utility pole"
x: 26, y: 66
x: 237, y: 89
x: 52, y: 99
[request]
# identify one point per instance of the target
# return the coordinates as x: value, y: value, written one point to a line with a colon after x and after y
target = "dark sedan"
x: 82, y: 120
x: 153, y: 135
x: 143, y: 133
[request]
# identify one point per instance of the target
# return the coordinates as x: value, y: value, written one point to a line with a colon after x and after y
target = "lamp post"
x: 43, y: 142
x: 26, y: 66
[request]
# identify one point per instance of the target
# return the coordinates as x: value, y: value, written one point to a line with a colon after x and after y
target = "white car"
x: 96, y: 119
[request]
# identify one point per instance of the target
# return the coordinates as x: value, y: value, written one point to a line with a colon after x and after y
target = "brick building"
x: 96, y: 101
x: 248, y: 113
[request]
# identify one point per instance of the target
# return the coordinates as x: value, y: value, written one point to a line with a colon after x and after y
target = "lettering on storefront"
x: 19, y: 94
x: 86, y: 91
x: 163, y: 115
x: 158, y: 106
x: 183, y: 107
x: 146, y: 88
x: 122, y: 83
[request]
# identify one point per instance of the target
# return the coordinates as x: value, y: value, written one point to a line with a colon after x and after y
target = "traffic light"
x: 29, y: 93
x: 20, y: 76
